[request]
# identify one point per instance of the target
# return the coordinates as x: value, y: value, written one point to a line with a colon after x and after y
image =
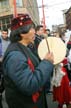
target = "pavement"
x: 49, y: 98
x: 50, y: 102
x: 4, y: 100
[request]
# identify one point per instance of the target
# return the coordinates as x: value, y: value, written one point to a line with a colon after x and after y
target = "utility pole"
x: 15, y: 9
x: 44, y: 25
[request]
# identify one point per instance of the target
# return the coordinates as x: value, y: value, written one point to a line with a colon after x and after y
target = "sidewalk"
x: 4, y: 101
x: 50, y: 102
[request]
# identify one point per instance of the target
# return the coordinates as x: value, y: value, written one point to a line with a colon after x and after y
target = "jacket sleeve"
x: 27, y: 81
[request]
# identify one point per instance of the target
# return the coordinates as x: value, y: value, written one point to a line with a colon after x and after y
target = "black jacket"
x: 20, y: 82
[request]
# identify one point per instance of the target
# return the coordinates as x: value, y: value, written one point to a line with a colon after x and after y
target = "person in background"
x: 67, y: 35
x: 69, y: 66
x: 69, y: 59
x: 39, y: 35
x: 39, y: 31
x: 63, y: 36
x: 0, y: 32
x: 69, y: 62
x: 61, y: 85
x: 48, y: 32
x: 4, y: 41
x: 60, y: 82
x: 69, y: 43
x: 1, y: 85
x: 25, y: 76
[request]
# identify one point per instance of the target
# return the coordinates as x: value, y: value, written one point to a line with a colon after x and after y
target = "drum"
x: 55, y: 45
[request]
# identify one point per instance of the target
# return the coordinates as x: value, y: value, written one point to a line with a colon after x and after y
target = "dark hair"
x: 38, y: 27
x: 15, y: 34
x: 5, y: 29
x: 47, y: 30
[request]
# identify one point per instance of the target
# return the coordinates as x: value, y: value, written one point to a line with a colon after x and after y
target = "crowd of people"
x: 25, y: 78
x: 61, y: 80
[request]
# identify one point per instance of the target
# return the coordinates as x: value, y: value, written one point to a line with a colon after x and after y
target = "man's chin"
x: 32, y: 41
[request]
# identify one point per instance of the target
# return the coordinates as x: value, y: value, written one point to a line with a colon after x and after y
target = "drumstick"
x: 47, y: 44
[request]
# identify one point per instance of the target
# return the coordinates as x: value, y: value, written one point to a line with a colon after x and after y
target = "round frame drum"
x: 55, y: 45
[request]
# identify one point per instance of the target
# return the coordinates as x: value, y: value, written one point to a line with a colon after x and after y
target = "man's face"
x: 48, y: 32
x: 40, y: 31
x: 29, y: 37
x: 4, y: 34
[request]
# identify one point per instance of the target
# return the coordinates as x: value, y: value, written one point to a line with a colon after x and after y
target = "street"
x: 50, y: 102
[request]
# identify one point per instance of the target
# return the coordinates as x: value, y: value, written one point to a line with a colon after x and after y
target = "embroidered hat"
x: 21, y: 20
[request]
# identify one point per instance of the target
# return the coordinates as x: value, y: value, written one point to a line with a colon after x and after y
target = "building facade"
x: 7, y: 11
x: 68, y: 18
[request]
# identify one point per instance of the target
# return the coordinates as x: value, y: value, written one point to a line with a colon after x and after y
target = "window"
x: 19, y: 3
x: 5, y: 22
x: 4, y: 3
x: 0, y: 4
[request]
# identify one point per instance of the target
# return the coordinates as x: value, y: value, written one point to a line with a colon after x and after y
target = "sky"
x: 53, y: 10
